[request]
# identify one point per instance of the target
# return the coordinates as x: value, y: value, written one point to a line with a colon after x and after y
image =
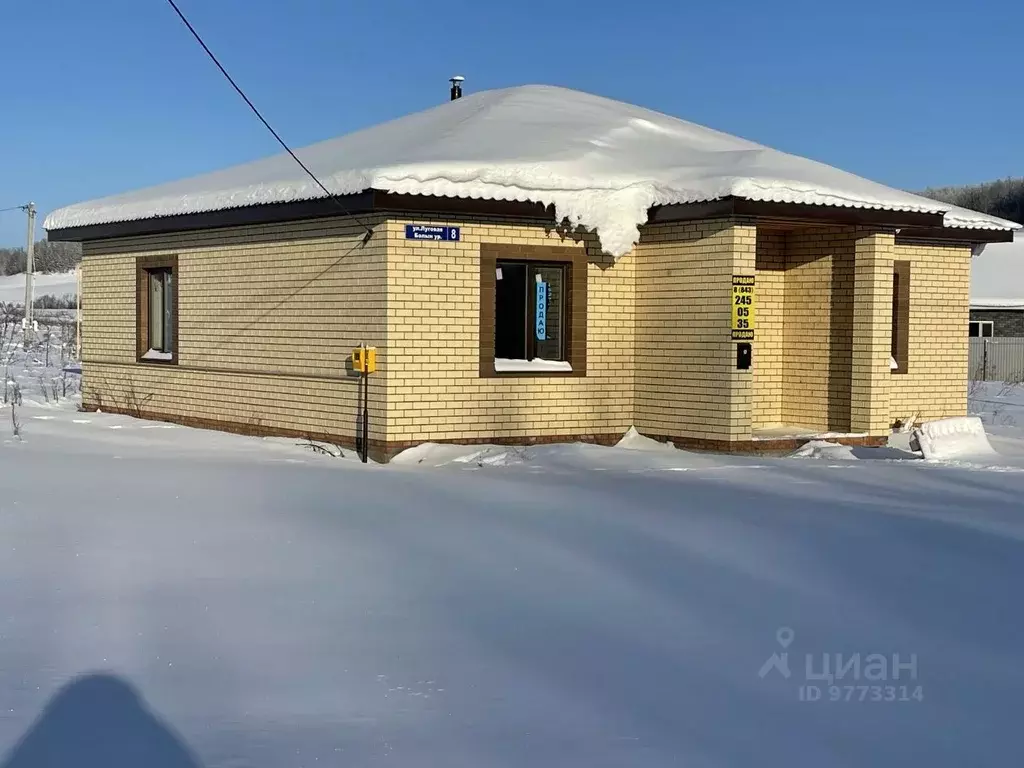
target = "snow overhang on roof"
x: 601, y: 164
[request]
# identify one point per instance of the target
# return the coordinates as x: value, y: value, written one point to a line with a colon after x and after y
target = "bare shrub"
x: 335, y: 451
x: 134, y: 403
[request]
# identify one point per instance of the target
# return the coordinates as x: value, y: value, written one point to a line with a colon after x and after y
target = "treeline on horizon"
x: 1003, y: 198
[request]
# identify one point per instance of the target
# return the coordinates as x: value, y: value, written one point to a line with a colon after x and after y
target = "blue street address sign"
x: 431, y: 232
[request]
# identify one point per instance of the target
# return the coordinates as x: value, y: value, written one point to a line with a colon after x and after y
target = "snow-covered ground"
x: 229, y: 601
x: 1001, y: 407
x: 12, y: 287
x: 37, y: 375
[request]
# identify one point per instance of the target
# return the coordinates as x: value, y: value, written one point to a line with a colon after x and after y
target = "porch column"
x: 872, y: 328
x: 743, y: 236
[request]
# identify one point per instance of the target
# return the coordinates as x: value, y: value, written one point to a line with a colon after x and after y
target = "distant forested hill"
x: 1003, y: 198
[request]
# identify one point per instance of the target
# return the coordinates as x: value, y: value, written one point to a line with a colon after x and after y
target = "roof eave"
x: 911, y: 224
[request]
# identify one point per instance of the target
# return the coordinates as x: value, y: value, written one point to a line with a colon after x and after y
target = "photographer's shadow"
x: 99, y: 720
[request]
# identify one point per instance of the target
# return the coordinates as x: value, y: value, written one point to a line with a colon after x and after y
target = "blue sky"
x: 111, y: 95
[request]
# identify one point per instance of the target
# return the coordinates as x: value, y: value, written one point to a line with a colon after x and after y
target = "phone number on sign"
x: 861, y: 693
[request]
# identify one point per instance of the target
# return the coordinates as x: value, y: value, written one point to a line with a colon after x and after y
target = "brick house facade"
x: 267, y: 313
x: 532, y: 264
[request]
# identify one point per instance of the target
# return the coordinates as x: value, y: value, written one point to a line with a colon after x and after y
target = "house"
x: 532, y: 264
x: 997, y: 290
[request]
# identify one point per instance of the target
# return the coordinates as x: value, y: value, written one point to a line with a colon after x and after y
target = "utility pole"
x: 29, y: 327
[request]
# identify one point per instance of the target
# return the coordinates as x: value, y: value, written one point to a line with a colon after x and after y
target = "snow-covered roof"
x: 601, y: 164
x: 997, y: 275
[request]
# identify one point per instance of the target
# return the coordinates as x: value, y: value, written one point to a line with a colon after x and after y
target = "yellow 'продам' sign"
x: 743, y: 307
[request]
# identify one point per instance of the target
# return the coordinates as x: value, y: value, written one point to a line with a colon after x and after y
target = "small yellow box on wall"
x: 364, y: 359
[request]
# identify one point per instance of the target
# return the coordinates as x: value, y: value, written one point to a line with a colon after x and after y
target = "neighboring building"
x: 588, y: 269
x: 997, y: 290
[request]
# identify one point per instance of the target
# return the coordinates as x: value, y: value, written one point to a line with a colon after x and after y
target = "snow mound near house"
x: 634, y: 441
x: 823, y: 449
x: 958, y: 437
x: 599, y: 163
x: 441, y: 454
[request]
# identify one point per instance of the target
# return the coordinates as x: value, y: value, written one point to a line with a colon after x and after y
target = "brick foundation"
x: 384, y: 451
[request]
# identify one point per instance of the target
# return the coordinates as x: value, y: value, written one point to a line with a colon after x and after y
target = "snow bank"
x: 634, y: 441
x: 441, y: 454
x: 953, y: 438
x: 823, y: 449
x: 598, y: 163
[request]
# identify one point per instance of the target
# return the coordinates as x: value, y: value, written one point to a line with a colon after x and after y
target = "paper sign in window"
x: 542, y: 311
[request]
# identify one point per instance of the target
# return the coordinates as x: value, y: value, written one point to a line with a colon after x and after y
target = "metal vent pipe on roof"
x: 456, y: 86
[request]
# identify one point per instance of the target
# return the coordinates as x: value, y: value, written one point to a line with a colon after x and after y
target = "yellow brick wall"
x: 435, y: 391
x: 687, y: 384
x: 818, y: 328
x: 267, y: 316
x: 935, y: 385
x: 769, y: 342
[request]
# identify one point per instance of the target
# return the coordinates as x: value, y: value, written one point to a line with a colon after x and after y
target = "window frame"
x: 530, y: 337
x: 899, y: 348
x: 574, y: 330
x: 144, y: 267
x: 981, y: 326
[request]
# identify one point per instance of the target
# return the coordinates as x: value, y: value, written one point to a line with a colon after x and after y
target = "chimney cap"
x: 456, y: 79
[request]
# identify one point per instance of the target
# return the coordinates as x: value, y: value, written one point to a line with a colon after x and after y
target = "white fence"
x: 997, y: 359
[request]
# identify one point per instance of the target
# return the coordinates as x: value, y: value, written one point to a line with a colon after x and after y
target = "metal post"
x: 366, y: 410
x: 30, y: 209
x: 78, y: 312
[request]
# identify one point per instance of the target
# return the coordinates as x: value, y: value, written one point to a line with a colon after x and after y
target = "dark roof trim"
x: 925, y: 225
x: 954, y: 234
x: 230, y: 217
x: 795, y: 212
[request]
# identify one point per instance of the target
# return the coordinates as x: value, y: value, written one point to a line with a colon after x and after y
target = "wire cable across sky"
x: 262, y: 119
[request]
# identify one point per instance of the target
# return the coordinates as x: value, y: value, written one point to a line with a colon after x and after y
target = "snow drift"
x: 599, y: 163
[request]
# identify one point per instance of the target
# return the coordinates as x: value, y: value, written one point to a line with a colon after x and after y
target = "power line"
x: 267, y: 125
x: 14, y: 208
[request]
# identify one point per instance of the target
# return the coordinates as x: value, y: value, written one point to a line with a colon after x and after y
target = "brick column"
x: 743, y: 236
x: 872, y: 328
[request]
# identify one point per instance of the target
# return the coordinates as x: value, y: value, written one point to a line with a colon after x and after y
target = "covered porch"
x: 827, y: 297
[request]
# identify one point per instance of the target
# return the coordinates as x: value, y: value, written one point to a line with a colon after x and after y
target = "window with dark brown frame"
x: 900, y: 344
x: 533, y: 308
x: 157, y: 309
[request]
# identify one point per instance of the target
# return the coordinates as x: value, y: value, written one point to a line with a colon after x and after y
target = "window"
x: 978, y: 328
x: 900, y: 343
x: 529, y: 310
x: 157, y: 322
x: 532, y: 310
